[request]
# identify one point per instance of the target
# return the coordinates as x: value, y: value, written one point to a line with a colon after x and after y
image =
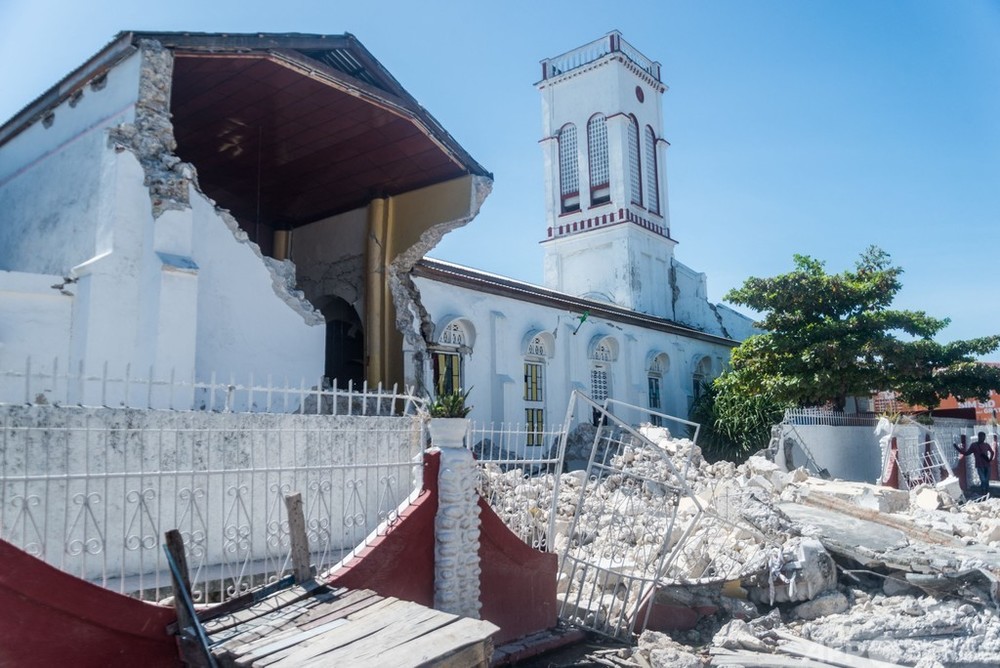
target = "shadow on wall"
x: 345, y: 343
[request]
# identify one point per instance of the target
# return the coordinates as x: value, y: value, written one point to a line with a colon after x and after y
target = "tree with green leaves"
x: 832, y: 336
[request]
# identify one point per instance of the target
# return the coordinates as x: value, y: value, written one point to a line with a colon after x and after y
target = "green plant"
x: 450, y: 404
x: 734, y: 425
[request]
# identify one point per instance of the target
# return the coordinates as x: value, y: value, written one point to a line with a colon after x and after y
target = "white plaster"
x: 456, y: 524
x: 498, y: 354
x: 35, y: 319
x: 182, y: 293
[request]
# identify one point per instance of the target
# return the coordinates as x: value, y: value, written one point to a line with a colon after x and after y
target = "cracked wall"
x: 412, y: 319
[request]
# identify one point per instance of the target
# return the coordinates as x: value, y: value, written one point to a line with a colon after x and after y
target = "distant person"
x: 983, y: 454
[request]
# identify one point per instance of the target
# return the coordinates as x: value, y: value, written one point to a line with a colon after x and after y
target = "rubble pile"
x: 790, y: 564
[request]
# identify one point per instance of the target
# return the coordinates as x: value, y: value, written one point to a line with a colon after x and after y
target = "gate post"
x: 891, y: 479
x: 456, y: 525
x: 962, y: 469
x: 994, y: 473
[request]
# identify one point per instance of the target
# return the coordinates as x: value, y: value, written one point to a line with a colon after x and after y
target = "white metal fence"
x: 91, y: 491
x: 50, y: 384
x: 509, y: 455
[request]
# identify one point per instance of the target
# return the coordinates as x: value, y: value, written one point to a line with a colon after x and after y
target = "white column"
x: 456, y: 526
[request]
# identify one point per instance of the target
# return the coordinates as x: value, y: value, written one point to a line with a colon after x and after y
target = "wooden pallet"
x: 301, y: 621
x: 341, y: 627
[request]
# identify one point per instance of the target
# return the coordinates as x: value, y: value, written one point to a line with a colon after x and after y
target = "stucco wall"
x: 53, y: 191
x: 847, y: 452
x: 503, y: 326
x: 158, y: 289
x: 329, y: 257
x: 248, y: 322
x: 35, y: 320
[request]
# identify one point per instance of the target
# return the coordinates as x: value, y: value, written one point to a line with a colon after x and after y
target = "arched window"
x: 634, y: 163
x: 537, y: 349
x: 446, y: 357
x: 658, y: 365
x: 602, y: 353
x: 597, y: 152
x: 701, y: 375
x: 569, y: 172
x: 652, y: 175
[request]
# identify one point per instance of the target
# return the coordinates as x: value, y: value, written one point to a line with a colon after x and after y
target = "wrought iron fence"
x: 54, y: 384
x: 509, y: 456
x: 91, y: 491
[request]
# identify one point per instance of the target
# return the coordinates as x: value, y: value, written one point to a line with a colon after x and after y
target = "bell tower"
x: 608, y: 228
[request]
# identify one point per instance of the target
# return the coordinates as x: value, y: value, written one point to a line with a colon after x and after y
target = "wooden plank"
x: 193, y: 643
x: 269, y: 645
x: 749, y: 659
x: 230, y: 641
x: 792, y: 644
x: 356, y: 600
x: 263, y: 607
x: 374, y: 605
x: 417, y: 622
x: 366, y: 625
x: 478, y: 655
x: 301, y: 567
x: 448, y: 640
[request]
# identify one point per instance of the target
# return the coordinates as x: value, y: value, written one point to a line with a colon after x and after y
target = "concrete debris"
x: 858, y: 574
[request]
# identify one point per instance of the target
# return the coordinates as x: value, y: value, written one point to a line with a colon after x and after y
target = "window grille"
x: 654, y: 398
x: 569, y: 173
x: 701, y: 374
x: 453, y: 335
x: 597, y: 144
x: 534, y: 421
x: 532, y: 381
x: 652, y: 175
x: 447, y: 372
x: 602, y: 353
x: 634, y: 166
x: 536, y: 347
x: 599, y: 383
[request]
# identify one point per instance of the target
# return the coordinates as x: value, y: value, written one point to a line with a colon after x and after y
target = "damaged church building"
x: 200, y: 206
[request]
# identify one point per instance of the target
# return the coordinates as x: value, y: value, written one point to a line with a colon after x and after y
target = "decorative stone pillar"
x: 456, y: 526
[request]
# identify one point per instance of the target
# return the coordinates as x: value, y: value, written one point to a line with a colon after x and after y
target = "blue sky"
x: 815, y: 127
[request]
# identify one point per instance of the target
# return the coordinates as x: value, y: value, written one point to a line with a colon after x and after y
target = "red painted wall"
x: 518, y: 583
x: 50, y: 618
x: 400, y: 563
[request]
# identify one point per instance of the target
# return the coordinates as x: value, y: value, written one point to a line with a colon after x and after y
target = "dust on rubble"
x: 823, y: 572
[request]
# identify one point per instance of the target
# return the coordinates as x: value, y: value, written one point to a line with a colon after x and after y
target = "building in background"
x: 618, y: 316
x: 190, y: 206
x: 251, y: 207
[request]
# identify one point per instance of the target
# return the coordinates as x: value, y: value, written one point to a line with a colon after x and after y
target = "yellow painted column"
x: 375, y: 290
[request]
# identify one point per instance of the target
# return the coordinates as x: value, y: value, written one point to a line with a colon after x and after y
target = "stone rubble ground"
x: 836, y: 607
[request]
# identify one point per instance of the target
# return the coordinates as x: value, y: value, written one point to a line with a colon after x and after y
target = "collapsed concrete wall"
x: 162, y: 280
x: 847, y: 573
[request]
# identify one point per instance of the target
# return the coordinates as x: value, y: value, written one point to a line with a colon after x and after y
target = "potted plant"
x: 448, y: 412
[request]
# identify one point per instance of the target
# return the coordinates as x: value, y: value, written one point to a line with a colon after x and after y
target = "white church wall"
x: 248, y: 323
x: 329, y: 256
x: 50, y: 189
x: 35, y: 320
x: 184, y: 293
x: 494, y: 368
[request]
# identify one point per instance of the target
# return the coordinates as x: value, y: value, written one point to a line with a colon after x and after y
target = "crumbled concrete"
x: 412, y: 319
x: 889, y: 576
x: 151, y: 136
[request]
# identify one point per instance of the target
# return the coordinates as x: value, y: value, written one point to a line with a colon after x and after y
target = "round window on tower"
x: 639, y: 95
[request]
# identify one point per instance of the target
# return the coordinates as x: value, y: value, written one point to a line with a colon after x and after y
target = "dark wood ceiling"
x: 281, y: 148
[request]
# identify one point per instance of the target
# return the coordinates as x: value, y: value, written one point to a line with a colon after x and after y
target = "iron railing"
x: 54, y: 384
x: 91, y: 491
